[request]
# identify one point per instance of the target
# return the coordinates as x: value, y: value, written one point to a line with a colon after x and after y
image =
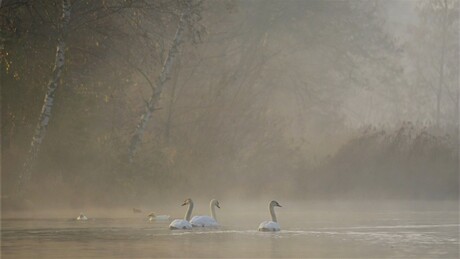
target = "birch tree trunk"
x: 159, y: 84
x: 45, y: 115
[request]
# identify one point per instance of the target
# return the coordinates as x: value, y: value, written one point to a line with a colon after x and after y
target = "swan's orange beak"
x: 217, y: 205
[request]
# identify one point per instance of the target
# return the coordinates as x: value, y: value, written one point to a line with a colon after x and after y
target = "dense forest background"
x: 301, y: 99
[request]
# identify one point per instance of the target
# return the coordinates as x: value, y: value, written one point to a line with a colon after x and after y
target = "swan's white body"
x: 183, y: 223
x: 82, y: 217
x: 180, y: 224
x: 273, y: 224
x: 207, y: 221
x: 204, y: 221
x: 269, y: 226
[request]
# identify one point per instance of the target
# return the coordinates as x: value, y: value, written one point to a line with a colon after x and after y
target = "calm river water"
x: 305, y: 234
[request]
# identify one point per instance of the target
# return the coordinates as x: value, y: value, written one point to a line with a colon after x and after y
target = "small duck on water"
x: 82, y: 217
x: 152, y: 217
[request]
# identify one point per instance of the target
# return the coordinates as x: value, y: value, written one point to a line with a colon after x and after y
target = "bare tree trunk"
x: 438, y: 105
x: 170, y: 110
x: 441, y: 65
x: 457, y: 120
x: 457, y: 105
x: 45, y: 115
x: 159, y: 84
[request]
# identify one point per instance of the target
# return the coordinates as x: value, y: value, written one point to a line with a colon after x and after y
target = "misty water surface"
x: 317, y: 232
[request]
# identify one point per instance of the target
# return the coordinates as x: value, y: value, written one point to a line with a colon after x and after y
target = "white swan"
x: 152, y: 216
x: 207, y: 221
x: 273, y: 224
x: 82, y: 217
x: 183, y: 223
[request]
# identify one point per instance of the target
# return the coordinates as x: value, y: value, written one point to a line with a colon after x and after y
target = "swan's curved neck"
x: 188, y: 215
x: 272, y: 213
x: 212, y: 207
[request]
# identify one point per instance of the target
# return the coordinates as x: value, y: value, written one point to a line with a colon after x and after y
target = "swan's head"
x: 151, y: 215
x: 274, y: 204
x: 187, y: 201
x: 81, y: 214
x: 215, y: 202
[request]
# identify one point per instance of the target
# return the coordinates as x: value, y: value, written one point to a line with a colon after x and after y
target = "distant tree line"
x: 250, y: 92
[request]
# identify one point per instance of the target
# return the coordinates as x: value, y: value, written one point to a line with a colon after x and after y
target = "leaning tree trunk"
x: 45, y: 115
x: 159, y: 85
x: 170, y: 110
